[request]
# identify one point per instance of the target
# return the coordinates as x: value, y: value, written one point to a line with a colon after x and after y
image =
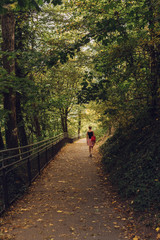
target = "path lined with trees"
x: 65, y: 65
x: 72, y: 199
x: 68, y: 201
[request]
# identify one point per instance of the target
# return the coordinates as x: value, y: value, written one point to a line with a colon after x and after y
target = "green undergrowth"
x: 132, y: 159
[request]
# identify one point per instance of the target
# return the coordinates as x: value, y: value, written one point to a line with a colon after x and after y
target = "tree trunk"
x: 8, y: 45
x: 66, y: 123
x: 37, y: 127
x: 8, y: 36
x: 64, y: 120
x: 154, y: 61
x: 20, y: 73
x: 20, y: 122
x: 10, y: 125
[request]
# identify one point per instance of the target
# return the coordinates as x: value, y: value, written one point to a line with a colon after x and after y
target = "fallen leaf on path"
x: 59, y: 211
x: 39, y: 220
x: 136, y: 238
x: 60, y: 220
x: 115, y: 223
x: 116, y: 226
x: 72, y: 229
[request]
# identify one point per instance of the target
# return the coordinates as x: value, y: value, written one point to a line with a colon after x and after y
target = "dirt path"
x: 68, y: 201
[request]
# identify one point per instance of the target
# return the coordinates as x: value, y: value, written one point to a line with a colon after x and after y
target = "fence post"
x: 5, y: 187
x: 46, y: 156
x: 39, y: 167
x: 29, y: 171
x: 52, y: 150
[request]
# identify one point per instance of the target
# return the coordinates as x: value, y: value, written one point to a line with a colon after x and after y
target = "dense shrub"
x: 132, y: 159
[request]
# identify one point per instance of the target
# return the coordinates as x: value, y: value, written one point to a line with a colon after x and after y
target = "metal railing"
x: 20, y: 166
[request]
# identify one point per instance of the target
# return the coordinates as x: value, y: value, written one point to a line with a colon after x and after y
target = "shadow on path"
x: 67, y: 201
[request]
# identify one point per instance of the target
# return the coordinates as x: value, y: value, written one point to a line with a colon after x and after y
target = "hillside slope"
x: 132, y: 159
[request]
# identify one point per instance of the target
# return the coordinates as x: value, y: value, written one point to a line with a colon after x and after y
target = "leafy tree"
x: 128, y: 55
x: 8, y: 9
x: 64, y: 81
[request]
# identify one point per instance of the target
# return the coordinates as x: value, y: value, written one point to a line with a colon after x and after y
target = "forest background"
x: 68, y: 64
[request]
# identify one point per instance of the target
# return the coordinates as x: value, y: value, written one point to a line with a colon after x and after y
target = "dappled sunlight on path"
x: 68, y: 201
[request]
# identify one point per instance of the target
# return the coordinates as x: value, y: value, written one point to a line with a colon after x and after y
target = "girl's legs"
x: 90, y: 150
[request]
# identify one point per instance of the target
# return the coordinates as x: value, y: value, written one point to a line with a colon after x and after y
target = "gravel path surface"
x: 68, y: 201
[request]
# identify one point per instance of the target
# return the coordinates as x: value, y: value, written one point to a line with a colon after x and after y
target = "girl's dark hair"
x: 90, y: 127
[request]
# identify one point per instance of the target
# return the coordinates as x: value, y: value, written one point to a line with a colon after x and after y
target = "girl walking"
x: 90, y: 140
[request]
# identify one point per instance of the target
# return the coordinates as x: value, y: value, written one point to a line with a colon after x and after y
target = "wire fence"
x: 20, y: 166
